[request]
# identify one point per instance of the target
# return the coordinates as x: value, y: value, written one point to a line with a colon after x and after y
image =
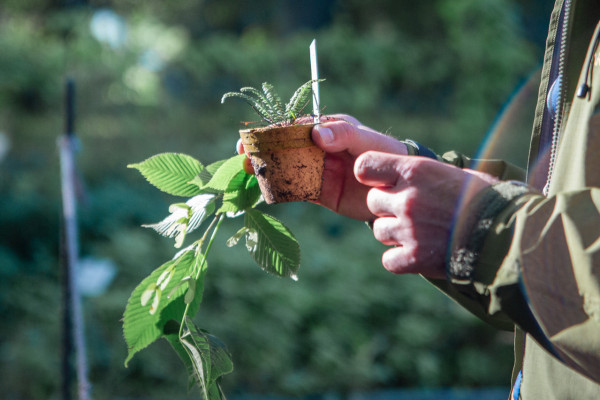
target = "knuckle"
x: 363, y: 163
x: 382, y: 230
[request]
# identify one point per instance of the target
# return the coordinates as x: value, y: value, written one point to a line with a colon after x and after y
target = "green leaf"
x: 140, y: 327
x: 148, y: 293
x: 214, y: 167
x: 184, y: 281
x: 232, y: 241
x: 163, y: 279
x: 209, y: 357
x: 187, y: 217
x: 254, y: 102
x: 230, y: 176
x: 299, y: 99
x: 171, y: 173
x: 273, y: 98
x: 206, y: 174
x: 173, y: 339
x: 263, y: 101
x: 240, y: 200
x: 190, y: 295
x: 271, y: 244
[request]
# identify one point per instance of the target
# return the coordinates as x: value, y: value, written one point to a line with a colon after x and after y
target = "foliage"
x: 162, y: 305
x: 268, y: 105
x: 434, y: 72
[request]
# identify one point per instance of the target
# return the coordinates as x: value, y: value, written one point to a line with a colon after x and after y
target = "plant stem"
x: 219, y: 220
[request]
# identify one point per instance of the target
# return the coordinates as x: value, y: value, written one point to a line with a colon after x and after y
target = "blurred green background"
x: 149, y: 77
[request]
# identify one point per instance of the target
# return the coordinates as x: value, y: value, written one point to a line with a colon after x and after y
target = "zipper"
x: 561, y: 94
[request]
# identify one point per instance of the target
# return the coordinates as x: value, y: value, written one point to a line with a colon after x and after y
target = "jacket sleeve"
x: 499, y: 168
x: 534, y: 260
x: 517, y: 256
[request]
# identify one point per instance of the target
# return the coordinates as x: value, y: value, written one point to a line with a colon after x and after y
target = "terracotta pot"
x: 287, y: 164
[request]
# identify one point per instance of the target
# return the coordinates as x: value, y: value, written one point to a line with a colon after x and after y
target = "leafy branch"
x: 164, y: 303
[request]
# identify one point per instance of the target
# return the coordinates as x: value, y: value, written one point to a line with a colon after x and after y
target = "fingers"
x: 239, y: 147
x: 380, y: 169
x: 400, y: 259
x: 390, y: 230
x: 390, y: 203
x: 355, y: 139
x: 409, y: 254
x: 247, y: 163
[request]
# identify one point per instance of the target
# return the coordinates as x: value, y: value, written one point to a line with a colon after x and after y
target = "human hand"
x: 344, y: 138
x: 415, y: 201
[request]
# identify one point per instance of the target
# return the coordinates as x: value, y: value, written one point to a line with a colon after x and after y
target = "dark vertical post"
x: 67, y: 321
x: 74, y: 336
x: 70, y: 108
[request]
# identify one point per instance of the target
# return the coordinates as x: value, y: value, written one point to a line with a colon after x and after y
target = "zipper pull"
x: 584, y: 88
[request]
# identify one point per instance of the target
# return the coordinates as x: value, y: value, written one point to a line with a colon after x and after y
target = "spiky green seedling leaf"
x: 268, y: 105
x: 299, y: 100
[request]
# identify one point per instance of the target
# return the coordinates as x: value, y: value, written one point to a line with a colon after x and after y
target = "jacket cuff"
x: 417, y: 149
x: 469, y: 236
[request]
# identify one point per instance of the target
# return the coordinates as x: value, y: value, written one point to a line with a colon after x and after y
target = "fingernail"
x: 326, y: 134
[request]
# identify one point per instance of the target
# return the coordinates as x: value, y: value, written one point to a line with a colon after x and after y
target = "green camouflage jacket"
x: 530, y: 259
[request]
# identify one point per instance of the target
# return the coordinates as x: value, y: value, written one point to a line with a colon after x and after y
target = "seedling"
x: 268, y: 105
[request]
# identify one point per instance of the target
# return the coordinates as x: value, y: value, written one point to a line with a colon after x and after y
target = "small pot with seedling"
x: 287, y: 164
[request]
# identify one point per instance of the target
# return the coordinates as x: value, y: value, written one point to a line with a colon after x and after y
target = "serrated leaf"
x: 183, y: 281
x: 230, y: 176
x: 237, y: 201
x: 232, y: 241
x: 206, y: 174
x: 214, y: 167
x: 171, y: 173
x: 209, y: 357
x: 163, y: 279
x: 276, y: 249
x: 155, y: 301
x: 251, y: 240
x: 148, y: 293
x: 202, y: 206
x: 173, y: 339
x: 190, y: 294
x: 140, y: 327
x: 185, y: 219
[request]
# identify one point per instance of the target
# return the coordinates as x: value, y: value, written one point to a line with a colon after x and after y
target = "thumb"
x: 339, y: 136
